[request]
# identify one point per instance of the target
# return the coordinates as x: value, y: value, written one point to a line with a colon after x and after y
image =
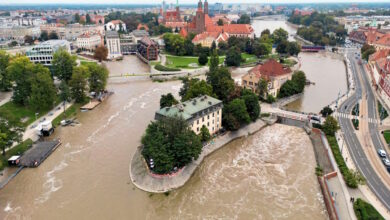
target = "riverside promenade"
x: 142, y: 178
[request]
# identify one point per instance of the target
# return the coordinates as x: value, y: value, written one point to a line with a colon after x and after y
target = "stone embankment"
x: 144, y: 180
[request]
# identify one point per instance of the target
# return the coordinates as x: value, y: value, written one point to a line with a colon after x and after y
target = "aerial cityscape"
x: 195, y: 109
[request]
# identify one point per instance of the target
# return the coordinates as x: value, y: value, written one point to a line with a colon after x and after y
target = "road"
x: 355, y: 148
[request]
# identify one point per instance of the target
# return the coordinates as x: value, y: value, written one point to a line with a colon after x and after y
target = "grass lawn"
x: 249, y: 58
x: 69, y: 113
x: 17, y: 150
x: 365, y: 211
x: 382, y: 111
x: 386, y: 135
x: 23, y: 114
x: 290, y: 62
x: 184, y: 62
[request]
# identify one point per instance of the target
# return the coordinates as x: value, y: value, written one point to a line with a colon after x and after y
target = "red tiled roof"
x: 384, y: 65
x: 271, y: 68
x: 117, y: 22
x: 175, y: 24
x: 231, y: 28
x: 205, y: 35
x: 146, y: 40
x: 144, y: 26
x: 384, y: 40
x: 379, y: 54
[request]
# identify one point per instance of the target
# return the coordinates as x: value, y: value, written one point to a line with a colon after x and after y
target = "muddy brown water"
x: 269, y: 175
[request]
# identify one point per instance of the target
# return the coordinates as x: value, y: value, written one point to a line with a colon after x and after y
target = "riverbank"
x: 142, y: 178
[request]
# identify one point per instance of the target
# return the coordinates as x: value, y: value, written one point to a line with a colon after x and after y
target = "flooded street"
x: 327, y: 71
x: 263, y: 176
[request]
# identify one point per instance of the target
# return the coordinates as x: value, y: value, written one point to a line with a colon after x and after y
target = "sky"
x: 172, y: 1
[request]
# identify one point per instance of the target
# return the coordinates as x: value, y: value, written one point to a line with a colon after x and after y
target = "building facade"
x: 273, y: 72
x: 89, y: 41
x: 43, y: 52
x: 113, y: 45
x: 147, y: 49
x: 115, y: 25
x: 198, y: 112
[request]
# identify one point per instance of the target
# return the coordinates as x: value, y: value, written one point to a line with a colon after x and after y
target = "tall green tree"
x: 78, y: 83
x: 203, y: 59
x: 10, y: 132
x: 44, y: 36
x: 252, y: 104
x: 77, y: 17
x: 167, y: 100
x: 21, y: 70
x: 222, y: 83
x: 265, y: 32
x: 330, y: 126
x: 53, y: 35
x: 5, y: 78
x: 198, y: 88
x: 43, y: 91
x: 262, y: 88
x: 235, y: 114
x: 98, y: 76
x: 279, y: 35
x: 214, y: 61
x: 63, y: 64
x: 233, y: 57
x: 204, y: 134
x: 88, y: 19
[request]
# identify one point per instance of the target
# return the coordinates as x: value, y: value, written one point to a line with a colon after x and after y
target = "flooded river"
x: 269, y: 175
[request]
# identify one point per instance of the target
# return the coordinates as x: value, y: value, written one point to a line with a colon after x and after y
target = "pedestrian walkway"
x: 344, y: 115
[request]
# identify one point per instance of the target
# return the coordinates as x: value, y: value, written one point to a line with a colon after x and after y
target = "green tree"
x: 98, y: 76
x: 78, y: 83
x: 204, y: 134
x: 330, y: 126
x: 220, y: 22
x: 293, y: 48
x: 21, y: 70
x: 252, y: 104
x: 326, y: 111
x: 53, y: 35
x: 265, y: 32
x: 63, y: 65
x: 5, y: 78
x: 174, y: 43
x: 88, y: 19
x: 214, y: 61
x: 167, y: 100
x: 28, y: 40
x: 198, y: 88
x: 213, y: 46
x: 367, y: 50
x: 170, y: 143
x: 299, y: 78
x: 44, y: 36
x: 222, y: 83
x: 235, y: 114
x: 77, y: 17
x: 262, y: 49
x: 262, y: 88
x: 282, y: 47
x: 279, y: 35
x: 244, y: 19
x: 233, y: 57
x: 202, y: 60
x: 10, y: 132
x: 43, y: 91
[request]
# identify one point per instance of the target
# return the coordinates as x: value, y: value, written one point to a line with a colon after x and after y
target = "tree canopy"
x: 63, y: 64
x: 167, y: 100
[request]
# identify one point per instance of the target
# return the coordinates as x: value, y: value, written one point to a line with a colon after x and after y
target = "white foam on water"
x: 52, y: 184
x: 8, y: 207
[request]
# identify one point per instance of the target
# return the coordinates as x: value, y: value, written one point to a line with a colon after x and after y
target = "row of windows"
x: 41, y: 58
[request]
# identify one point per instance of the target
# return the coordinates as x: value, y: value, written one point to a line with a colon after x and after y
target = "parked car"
x: 386, y: 162
x: 382, y: 153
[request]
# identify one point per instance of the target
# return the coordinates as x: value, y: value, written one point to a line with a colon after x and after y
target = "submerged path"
x: 142, y: 179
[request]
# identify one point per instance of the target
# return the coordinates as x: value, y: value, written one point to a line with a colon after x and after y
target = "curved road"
x: 355, y: 148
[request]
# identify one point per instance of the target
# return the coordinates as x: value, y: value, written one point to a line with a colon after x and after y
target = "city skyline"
x: 10, y: 2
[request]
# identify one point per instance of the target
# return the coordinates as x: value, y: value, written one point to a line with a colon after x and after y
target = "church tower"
x: 200, y: 20
x: 177, y: 11
x: 206, y: 7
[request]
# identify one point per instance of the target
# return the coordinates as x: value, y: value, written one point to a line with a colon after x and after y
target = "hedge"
x: 349, y: 177
x: 365, y: 211
x: 160, y: 67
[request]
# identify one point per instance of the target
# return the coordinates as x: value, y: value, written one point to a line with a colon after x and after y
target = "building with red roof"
x: 142, y: 27
x: 272, y: 71
x: 206, y: 39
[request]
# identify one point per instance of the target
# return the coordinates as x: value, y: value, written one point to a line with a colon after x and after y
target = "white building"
x: 89, y: 41
x: 43, y: 52
x: 115, y: 25
x: 113, y: 45
x: 198, y: 112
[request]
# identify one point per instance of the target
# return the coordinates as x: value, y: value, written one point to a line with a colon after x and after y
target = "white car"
x: 381, y: 153
x: 386, y: 162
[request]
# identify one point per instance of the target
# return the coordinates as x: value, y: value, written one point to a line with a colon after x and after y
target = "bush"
x: 162, y: 68
x: 364, y: 210
x: 202, y: 60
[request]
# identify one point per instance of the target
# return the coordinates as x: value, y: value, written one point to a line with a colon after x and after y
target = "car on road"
x: 386, y: 162
x: 382, y: 153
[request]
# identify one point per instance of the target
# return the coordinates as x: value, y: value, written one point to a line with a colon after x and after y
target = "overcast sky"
x: 171, y: 1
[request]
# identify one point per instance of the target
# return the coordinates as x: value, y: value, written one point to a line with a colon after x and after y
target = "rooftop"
x: 112, y: 34
x: 271, y: 68
x: 188, y: 108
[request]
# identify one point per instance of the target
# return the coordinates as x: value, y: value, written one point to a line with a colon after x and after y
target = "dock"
x: 96, y: 101
x: 38, y: 153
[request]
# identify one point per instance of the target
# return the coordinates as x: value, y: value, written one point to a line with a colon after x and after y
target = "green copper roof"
x: 190, y: 107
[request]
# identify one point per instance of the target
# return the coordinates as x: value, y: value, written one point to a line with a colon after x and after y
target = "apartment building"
x: 203, y: 110
x: 113, y: 45
x: 89, y: 41
x: 43, y: 52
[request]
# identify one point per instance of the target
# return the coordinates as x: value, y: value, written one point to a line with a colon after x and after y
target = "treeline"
x: 321, y: 29
x: 169, y: 144
x: 234, y: 47
x: 132, y: 20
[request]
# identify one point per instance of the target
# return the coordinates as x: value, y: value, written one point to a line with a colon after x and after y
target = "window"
x: 202, y: 119
x: 197, y: 129
x: 208, y: 124
x: 197, y: 122
x: 208, y: 116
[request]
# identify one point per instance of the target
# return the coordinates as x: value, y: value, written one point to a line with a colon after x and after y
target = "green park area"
x: 365, y: 211
x: 186, y: 61
x: 386, y: 135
